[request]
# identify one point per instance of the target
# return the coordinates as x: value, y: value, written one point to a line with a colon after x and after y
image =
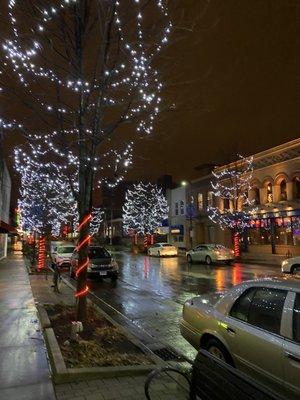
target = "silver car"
x: 291, y: 266
x: 210, y: 253
x: 255, y: 327
x: 162, y: 250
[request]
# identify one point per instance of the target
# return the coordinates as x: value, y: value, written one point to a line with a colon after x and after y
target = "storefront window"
x: 296, y: 230
x: 283, y: 231
x: 260, y: 232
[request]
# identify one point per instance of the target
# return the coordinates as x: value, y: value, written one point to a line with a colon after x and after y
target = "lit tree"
x: 145, y: 208
x: 46, y: 201
x: 232, y: 208
x: 85, y: 70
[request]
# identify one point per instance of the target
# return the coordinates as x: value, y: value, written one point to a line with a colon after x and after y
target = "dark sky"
x: 233, y: 72
x: 235, y: 81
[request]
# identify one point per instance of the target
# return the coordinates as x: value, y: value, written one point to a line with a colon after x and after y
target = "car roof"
x: 282, y: 282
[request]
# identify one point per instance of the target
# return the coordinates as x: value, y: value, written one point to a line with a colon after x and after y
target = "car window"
x: 201, y: 248
x: 241, y: 307
x: 266, y: 309
x: 98, y: 252
x: 296, y: 319
x: 65, y: 250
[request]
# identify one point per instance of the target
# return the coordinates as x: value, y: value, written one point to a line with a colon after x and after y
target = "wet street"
x: 151, y: 291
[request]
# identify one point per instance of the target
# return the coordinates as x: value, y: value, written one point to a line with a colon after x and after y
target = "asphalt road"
x: 151, y: 291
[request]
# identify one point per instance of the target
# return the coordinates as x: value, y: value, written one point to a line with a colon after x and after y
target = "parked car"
x: 291, y: 265
x: 162, y: 250
x: 210, y: 253
x: 61, y: 255
x: 101, y: 264
x: 255, y: 327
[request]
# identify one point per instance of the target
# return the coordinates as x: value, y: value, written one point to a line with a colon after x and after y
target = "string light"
x: 145, y: 208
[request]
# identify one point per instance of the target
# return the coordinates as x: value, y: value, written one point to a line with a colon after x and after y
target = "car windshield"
x: 166, y: 245
x: 65, y: 250
x: 98, y: 252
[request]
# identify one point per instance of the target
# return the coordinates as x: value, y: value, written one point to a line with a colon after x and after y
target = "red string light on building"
x: 41, y: 254
x: 84, y: 241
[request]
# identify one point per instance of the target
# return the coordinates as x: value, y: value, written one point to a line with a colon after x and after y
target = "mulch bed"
x: 100, y: 344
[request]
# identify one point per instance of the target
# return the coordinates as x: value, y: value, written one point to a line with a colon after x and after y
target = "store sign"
x: 162, y: 230
x: 177, y: 230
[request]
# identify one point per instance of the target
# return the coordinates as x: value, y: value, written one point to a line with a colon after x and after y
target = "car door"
x: 291, y: 350
x: 199, y: 254
x: 253, y: 331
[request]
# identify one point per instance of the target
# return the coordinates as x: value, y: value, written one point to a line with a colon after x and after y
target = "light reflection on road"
x: 151, y: 291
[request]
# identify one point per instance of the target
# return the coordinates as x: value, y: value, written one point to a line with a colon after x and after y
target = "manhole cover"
x: 167, y: 354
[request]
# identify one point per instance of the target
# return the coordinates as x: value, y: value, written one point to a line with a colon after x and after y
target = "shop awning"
x: 6, y: 228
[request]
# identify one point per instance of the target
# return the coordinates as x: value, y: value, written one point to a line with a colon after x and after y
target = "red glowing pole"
x: 41, y: 254
x: 236, y: 244
x: 84, y: 241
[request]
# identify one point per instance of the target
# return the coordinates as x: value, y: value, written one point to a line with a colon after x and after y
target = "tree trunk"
x: 85, y: 200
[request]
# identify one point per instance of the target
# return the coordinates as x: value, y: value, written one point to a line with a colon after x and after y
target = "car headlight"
x: 284, y: 263
x: 114, y: 264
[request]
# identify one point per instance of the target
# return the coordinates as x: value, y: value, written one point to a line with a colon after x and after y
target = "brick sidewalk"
x: 125, y: 388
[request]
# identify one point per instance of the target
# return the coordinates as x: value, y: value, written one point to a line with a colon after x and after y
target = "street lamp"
x: 190, y: 210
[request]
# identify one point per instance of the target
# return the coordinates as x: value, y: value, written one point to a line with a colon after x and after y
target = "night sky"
x: 235, y: 81
x: 232, y: 70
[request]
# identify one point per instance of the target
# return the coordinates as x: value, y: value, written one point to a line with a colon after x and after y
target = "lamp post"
x: 190, y: 211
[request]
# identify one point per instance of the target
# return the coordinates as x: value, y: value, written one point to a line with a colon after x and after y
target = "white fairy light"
x: 145, y: 208
x: 232, y: 186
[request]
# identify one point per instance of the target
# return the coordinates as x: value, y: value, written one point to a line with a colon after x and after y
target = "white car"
x: 62, y: 255
x: 162, y: 250
x: 210, y: 253
x: 255, y: 327
x: 291, y: 266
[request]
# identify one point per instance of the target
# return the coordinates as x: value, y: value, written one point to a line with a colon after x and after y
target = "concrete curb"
x: 158, y: 361
x: 43, y: 316
x: 62, y: 374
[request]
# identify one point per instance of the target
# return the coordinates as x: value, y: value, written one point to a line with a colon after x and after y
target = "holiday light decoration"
x: 230, y: 206
x: 84, y: 71
x: 41, y: 253
x: 145, y: 208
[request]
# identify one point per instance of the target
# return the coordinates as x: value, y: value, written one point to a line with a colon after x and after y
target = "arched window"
x: 296, y: 188
x: 256, y: 196
x: 226, y: 204
x: 270, y: 193
x: 283, y: 195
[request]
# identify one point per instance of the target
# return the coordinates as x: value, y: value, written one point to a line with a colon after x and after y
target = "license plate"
x: 102, y: 273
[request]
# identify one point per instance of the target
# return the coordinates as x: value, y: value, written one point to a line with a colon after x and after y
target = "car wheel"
x: 208, y: 260
x: 296, y: 269
x: 219, y: 351
x: 114, y: 278
x: 189, y: 259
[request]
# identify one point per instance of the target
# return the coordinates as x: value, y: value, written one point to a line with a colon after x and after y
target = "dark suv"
x: 101, y: 265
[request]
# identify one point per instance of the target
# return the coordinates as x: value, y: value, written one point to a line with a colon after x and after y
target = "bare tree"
x: 81, y: 75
